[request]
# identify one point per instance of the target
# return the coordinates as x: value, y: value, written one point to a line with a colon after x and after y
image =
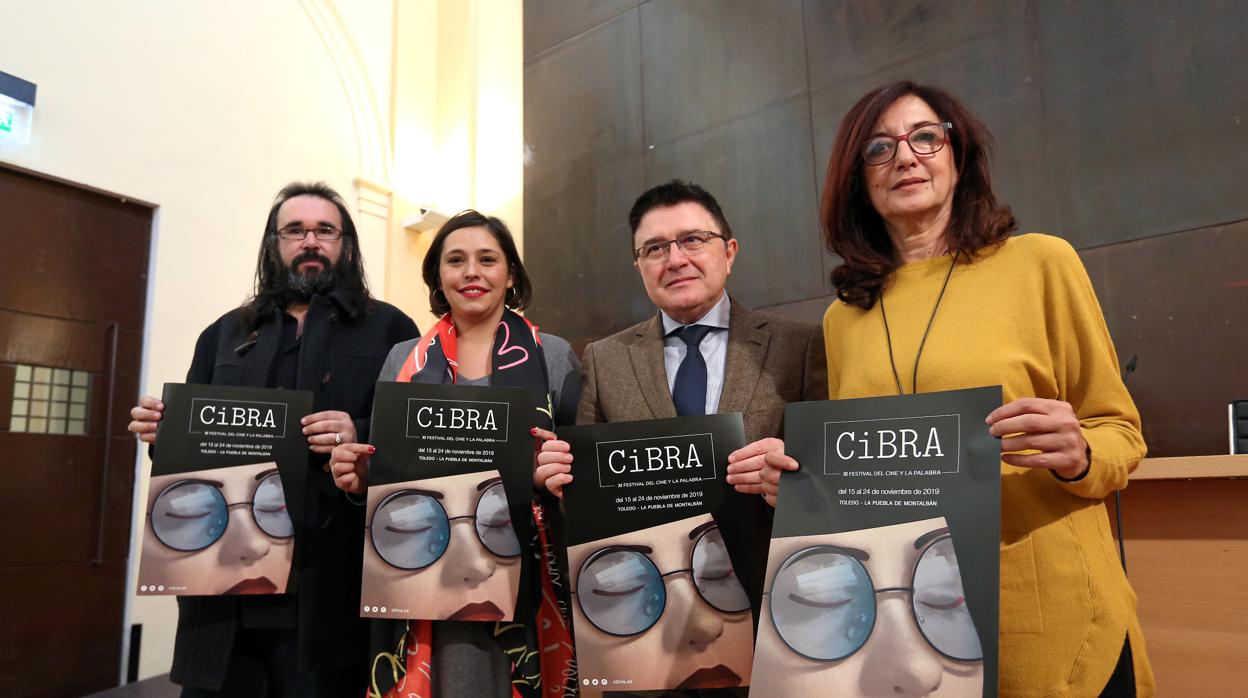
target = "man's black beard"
x: 300, y: 287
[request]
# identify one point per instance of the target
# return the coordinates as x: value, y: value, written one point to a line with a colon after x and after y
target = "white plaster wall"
x: 206, y: 110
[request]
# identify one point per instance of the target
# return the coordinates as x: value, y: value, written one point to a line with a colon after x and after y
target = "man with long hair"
x: 310, y: 324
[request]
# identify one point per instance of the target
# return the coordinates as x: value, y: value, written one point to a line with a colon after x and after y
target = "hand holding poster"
x: 448, y: 534
x: 664, y: 556
x: 884, y: 561
x: 218, y: 520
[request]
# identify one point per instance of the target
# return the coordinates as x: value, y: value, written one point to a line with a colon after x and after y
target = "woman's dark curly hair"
x: 852, y: 227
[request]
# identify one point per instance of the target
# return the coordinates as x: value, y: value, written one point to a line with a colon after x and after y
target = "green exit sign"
x: 14, y: 124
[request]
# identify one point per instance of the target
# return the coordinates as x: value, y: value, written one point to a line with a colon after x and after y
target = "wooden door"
x: 73, y: 285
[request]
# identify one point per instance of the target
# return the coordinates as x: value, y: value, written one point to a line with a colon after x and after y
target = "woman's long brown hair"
x: 854, y: 230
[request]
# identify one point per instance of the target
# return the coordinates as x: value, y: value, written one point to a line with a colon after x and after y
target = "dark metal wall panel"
x: 548, y: 23
x: 984, y: 53
x: 758, y: 167
x: 1180, y: 302
x: 697, y: 79
x: 1148, y: 114
x: 811, y: 310
x: 1115, y: 122
x: 728, y: 109
x: 583, y: 169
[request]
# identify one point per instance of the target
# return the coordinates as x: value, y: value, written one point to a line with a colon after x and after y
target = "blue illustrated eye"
x: 269, y: 508
x: 714, y: 575
x: 823, y: 604
x: 940, y: 603
x: 494, y: 522
x: 410, y: 530
x: 190, y: 516
x: 621, y: 592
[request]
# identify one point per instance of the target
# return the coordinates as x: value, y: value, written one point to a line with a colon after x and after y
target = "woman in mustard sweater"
x: 934, y: 294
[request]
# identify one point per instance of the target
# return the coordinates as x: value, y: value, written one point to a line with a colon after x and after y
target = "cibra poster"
x: 449, y: 509
x: 883, y: 568
x: 226, y: 491
x: 664, y: 556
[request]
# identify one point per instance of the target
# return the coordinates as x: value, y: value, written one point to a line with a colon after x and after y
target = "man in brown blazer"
x: 752, y: 362
x: 702, y: 353
x: 770, y: 361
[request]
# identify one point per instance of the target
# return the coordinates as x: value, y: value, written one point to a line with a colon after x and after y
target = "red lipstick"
x: 484, y: 610
x: 256, y: 585
x: 716, y: 677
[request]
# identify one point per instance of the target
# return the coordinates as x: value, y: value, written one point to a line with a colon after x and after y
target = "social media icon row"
x: 152, y: 587
x: 374, y: 609
x: 594, y: 682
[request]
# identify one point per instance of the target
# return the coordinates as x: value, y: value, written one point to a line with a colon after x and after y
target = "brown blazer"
x: 772, y: 360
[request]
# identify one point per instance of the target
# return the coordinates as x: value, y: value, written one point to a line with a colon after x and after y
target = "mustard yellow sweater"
x: 1024, y: 316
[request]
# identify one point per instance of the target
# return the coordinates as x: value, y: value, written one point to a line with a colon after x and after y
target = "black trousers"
x: 265, y: 664
x: 1122, y: 681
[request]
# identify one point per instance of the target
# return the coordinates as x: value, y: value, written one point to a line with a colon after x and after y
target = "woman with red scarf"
x: 477, y: 284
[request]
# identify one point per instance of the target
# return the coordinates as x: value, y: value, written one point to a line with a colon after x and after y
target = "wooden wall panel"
x: 1187, y: 559
x: 103, y: 280
x: 54, y: 616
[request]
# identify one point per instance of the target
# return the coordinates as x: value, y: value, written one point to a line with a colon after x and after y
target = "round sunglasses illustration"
x: 882, y: 606
x: 664, y: 609
x: 412, y: 530
x: 214, y: 531
x: 436, y: 547
x: 823, y: 601
x: 192, y: 514
x: 622, y: 592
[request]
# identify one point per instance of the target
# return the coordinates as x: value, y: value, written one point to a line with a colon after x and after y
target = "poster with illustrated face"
x: 882, y: 576
x: 448, y: 533
x: 665, y: 558
x: 226, y: 491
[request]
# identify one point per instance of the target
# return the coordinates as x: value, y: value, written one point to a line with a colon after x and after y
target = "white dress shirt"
x: 714, y: 349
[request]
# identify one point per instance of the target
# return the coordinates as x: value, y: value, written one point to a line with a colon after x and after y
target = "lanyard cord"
x: 888, y: 336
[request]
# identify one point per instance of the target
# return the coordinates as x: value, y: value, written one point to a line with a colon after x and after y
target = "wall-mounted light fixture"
x: 425, y: 219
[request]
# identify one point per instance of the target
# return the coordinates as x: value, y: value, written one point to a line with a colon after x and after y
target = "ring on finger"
x: 337, y: 439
